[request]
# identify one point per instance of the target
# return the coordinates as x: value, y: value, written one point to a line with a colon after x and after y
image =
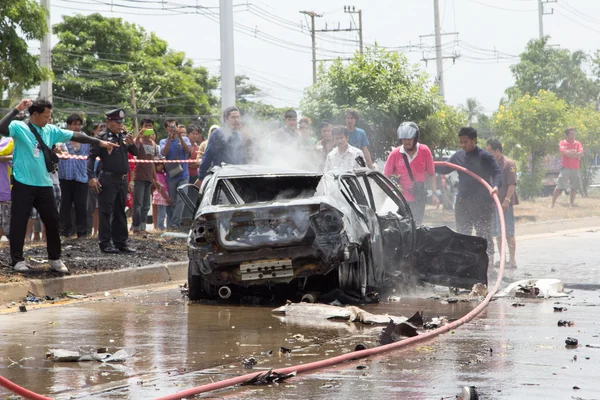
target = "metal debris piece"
x: 563, y: 322
x: 560, y: 309
x: 571, y: 341
x: 22, y: 308
x: 89, y: 353
x: 268, y: 377
x: 395, y: 332
x: 284, y: 350
x: 249, y: 362
x: 518, y: 305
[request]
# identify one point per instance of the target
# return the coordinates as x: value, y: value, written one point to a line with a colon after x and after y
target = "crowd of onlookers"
x: 186, y: 156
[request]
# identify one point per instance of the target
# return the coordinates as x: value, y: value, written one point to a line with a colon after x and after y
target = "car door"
x: 436, y: 255
x: 396, y: 224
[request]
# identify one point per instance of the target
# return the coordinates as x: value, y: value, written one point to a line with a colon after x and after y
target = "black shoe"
x: 109, y: 250
x: 126, y: 249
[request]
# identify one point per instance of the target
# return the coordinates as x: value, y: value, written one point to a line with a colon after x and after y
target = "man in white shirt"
x: 344, y: 156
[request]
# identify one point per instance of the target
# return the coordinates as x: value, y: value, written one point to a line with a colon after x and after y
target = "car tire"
x: 200, y: 288
x: 353, y: 276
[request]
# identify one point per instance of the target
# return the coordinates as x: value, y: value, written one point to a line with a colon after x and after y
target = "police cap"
x: 117, y: 115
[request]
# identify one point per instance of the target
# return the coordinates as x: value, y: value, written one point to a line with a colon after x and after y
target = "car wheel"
x: 200, y: 288
x: 353, y: 276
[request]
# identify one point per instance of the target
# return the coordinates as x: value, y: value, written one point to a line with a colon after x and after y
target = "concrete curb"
x: 99, y: 282
x: 559, y: 225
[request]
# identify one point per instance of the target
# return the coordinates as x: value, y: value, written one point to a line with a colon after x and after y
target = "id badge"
x: 36, y: 152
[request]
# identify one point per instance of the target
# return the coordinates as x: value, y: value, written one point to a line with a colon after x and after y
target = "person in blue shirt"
x: 357, y: 137
x: 72, y: 175
x: 32, y: 185
x: 175, y: 147
x: 225, y: 144
x: 474, y: 203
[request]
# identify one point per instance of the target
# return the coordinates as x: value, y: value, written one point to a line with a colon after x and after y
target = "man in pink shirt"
x: 412, y: 163
x: 571, y: 151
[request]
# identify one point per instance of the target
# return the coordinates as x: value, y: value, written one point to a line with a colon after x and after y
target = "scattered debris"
x: 571, y: 341
x: 518, y: 305
x: 395, y: 332
x: 249, y: 362
x: 545, y: 288
x: 266, y: 353
x: 479, y: 290
x: 576, y: 388
x: 563, y: 322
x: 360, y: 347
x: 394, y: 298
x: 89, y: 353
x: 361, y: 367
x: 469, y: 393
x: 435, y: 323
x: 593, y: 346
x: 268, y: 377
x: 284, y: 350
x: 560, y: 309
x: 75, y: 296
x: 22, y: 308
x: 348, y: 313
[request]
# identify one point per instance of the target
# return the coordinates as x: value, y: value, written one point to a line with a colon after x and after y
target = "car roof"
x: 239, y: 171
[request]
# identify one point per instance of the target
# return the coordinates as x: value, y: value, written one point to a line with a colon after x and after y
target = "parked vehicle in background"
x: 551, y: 165
x: 281, y: 232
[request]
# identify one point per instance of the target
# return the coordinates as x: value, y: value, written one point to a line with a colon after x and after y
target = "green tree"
x: 543, y: 67
x: 98, y: 60
x: 531, y: 127
x: 383, y: 87
x: 19, y: 70
x: 473, y: 110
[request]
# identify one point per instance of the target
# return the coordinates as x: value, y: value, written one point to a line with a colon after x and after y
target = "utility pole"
x: 439, y: 57
x: 134, y: 109
x: 438, y: 48
x: 46, y: 54
x: 542, y: 12
x: 312, y: 16
x: 227, y: 55
x: 352, y: 10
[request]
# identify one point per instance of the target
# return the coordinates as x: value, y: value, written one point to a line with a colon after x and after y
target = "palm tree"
x: 473, y: 109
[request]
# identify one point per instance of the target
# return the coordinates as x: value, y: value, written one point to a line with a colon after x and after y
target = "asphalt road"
x: 181, y: 345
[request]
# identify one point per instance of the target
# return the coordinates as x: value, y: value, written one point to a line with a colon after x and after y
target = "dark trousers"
x: 475, y: 214
x: 74, y: 195
x: 141, y: 204
x: 24, y: 197
x: 111, y: 211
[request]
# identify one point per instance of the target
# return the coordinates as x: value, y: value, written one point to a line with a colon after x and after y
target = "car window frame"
x: 389, y: 189
x: 353, y: 187
x: 230, y: 193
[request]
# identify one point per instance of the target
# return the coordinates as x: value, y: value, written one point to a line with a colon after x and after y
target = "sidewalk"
x: 177, y: 271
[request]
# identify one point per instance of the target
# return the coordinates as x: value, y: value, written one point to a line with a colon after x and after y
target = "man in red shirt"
x: 571, y: 151
x: 412, y: 163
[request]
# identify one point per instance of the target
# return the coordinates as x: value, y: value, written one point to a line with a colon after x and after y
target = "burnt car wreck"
x: 287, y: 233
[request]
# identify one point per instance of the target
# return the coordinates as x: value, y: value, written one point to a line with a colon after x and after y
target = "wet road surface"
x: 183, y: 345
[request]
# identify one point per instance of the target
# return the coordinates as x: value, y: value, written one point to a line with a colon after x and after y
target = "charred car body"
x: 263, y: 230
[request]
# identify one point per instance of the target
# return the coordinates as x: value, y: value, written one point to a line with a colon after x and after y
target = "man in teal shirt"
x: 32, y: 186
x: 356, y: 136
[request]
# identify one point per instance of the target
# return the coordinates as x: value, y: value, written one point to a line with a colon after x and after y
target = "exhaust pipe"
x: 224, y: 292
x: 309, y: 298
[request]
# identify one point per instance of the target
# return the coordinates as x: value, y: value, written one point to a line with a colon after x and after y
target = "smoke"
x: 265, y: 146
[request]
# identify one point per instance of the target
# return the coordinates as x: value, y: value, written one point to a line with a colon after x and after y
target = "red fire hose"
x: 344, y: 357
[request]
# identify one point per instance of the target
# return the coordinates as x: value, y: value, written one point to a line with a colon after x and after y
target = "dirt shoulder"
x: 531, y: 211
x: 83, y: 256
